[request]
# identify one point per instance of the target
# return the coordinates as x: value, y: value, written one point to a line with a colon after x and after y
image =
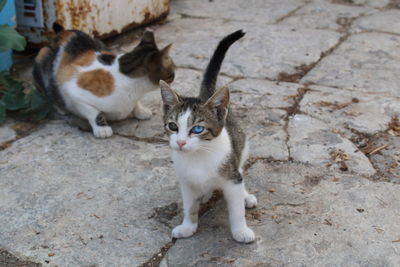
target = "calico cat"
x: 87, y: 80
x: 208, y: 149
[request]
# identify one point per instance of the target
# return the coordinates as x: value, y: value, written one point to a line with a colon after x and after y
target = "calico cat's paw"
x: 184, y: 230
x: 243, y: 235
x: 102, y: 131
x: 250, y: 201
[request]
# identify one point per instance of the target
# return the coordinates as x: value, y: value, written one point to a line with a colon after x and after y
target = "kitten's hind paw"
x: 184, y: 230
x: 102, y: 131
x: 250, y: 201
x: 243, y: 235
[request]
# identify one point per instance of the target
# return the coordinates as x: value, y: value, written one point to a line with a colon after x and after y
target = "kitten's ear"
x: 165, y: 50
x: 169, y: 97
x: 219, y: 102
x: 148, y: 38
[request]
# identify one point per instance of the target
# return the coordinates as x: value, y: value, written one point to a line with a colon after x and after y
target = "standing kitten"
x: 208, y: 149
x: 80, y: 74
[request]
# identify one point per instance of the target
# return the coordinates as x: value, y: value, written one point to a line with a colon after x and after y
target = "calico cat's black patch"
x: 106, y: 59
x: 81, y: 43
x: 101, y: 120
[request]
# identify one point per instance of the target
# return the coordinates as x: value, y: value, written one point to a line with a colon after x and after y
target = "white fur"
x: 120, y: 104
x: 197, y: 165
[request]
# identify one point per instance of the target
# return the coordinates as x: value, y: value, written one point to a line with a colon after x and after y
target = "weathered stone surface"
x: 384, y: 150
x: 256, y: 10
x: 347, y: 109
x: 326, y: 15
x: 311, y: 141
x: 271, y: 49
x: 7, y: 133
x: 366, y: 62
x: 85, y: 200
x: 386, y: 21
x: 372, y: 3
x: 312, y: 219
x: 260, y: 108
x: 254, y: 93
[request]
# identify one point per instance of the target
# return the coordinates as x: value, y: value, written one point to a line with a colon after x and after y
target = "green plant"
x: 17, y: 96
x: 22, y: 99
x: 10, y: 38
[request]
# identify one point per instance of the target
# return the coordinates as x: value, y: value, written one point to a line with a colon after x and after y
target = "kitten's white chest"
x: 201, y: 168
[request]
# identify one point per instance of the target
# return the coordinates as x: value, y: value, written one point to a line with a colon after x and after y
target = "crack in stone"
x: 22, y: 130
x: 187, y: 16
x: 291, y: 13
x: 293, y: 110
x: 156, y: 259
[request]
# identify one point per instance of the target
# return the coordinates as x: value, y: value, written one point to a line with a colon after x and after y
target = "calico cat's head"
x: 192, y: 123
x: 147, y: 59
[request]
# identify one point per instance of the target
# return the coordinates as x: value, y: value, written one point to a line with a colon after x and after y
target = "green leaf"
x: 2, y: 4
x: 14, y: 100
x: 11, y: 39
x: 2, y: 112
x: 37, y: 100
x: 42, y: 112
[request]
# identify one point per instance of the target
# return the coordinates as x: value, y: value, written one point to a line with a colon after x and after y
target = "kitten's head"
x: 146, y: 58
x: 192, y: 123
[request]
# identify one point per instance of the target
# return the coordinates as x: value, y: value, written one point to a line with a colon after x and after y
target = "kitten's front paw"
x: 243, y: 235
x: 251, y: 201
x: 102, y: 131
x: 143, y: 113
x: 184, y: 230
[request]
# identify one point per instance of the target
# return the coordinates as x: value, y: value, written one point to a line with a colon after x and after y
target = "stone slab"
x: 88, y: 201
x: 7, y: 133
x: 385, y: 21
x: 265, y: 51
x: 309, y: 217
x: 311, y: 141
x: 326, y: 15
x: 255, y: 93
x: 256, y: 10
x: 344, y: 110
x: 366, y: 62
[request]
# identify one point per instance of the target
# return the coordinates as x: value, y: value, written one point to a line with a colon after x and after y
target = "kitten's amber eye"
x: 173, y: 127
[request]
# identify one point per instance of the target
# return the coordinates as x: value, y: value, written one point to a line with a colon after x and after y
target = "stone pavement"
x: 315, y: 84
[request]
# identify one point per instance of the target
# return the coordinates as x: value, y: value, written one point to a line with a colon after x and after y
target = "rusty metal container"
x: 100, y: 18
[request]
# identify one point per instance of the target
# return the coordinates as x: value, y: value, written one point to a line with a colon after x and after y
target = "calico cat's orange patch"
x: 99, y: 82
x: 43, y: 53
x: 67, y: 68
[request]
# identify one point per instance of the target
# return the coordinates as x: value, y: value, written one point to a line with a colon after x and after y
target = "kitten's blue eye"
x: 197, y: 129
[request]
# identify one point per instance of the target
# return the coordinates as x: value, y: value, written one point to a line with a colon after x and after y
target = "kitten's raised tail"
x: 210, y: 76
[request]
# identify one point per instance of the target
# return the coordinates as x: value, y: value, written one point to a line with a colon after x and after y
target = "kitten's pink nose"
x: 181, y: 143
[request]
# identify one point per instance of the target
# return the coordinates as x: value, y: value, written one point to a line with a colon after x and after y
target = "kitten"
x: 208, y: 149
x: 82, y: 76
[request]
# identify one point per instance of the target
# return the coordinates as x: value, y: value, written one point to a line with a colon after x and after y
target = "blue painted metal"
x: 7, y: 16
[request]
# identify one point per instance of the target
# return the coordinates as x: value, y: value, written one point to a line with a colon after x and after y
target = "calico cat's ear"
x: 148, y: 38
x: 219, y: 102
x: 165, y: 50
x: 169, y: 97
